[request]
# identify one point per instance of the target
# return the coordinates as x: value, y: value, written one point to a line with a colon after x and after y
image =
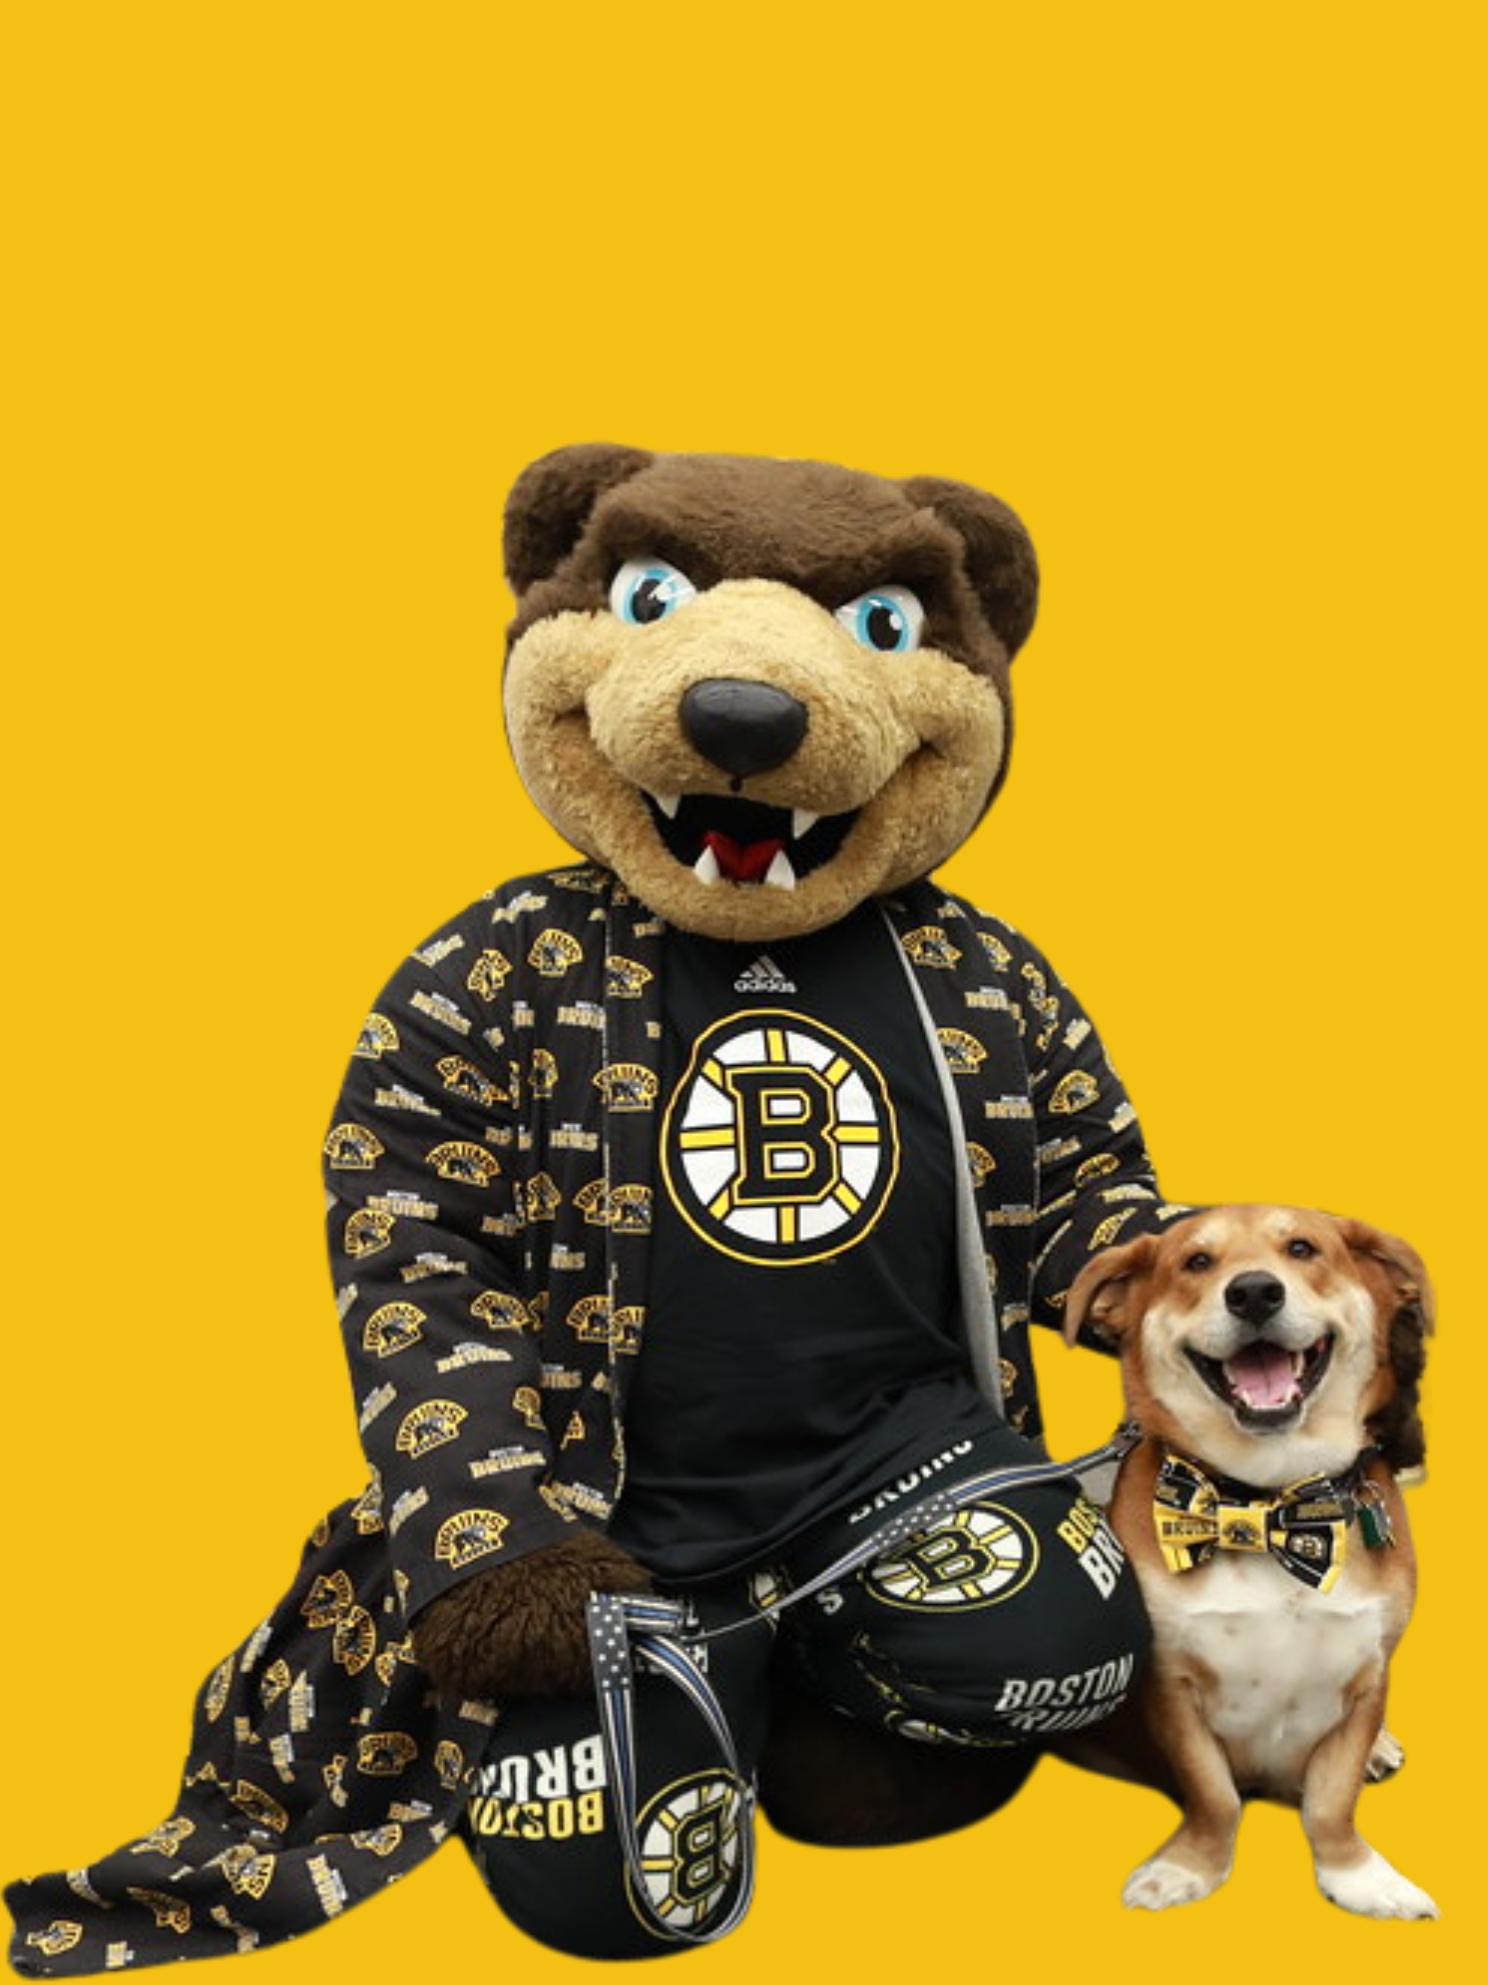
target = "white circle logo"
x: 780, y: 1143
x: 690, y: 1847
x: 980, y: 1555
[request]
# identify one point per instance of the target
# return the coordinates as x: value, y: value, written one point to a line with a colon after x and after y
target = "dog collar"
x: 1304, y: 1526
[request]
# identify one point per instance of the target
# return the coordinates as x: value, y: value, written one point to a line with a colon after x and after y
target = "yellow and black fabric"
x: 1303, y: 1526
x: 1011, y: 1622
x: 801, y: 1323
x: 321, y: 1768
x: 491, y: 1170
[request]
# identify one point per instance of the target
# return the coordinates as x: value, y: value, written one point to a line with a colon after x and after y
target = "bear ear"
x: 1000, y: 559
x: 550, y: 502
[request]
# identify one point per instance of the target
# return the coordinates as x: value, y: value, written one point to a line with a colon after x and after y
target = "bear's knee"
x: 1009, y: 1622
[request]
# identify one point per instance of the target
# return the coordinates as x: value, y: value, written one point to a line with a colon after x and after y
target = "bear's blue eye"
x: 648, y: 589
x: 889, y: 619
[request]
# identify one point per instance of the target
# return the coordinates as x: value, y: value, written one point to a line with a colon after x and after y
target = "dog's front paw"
x: 1385, y: 1759
x: 1160, y: 1884
x: 1374, y: 1888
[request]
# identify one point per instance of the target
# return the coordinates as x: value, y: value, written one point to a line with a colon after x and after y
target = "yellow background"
x: 295, y: 291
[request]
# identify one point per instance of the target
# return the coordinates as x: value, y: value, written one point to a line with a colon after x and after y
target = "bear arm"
x: 520, y: 1629
x: 423, y: 1231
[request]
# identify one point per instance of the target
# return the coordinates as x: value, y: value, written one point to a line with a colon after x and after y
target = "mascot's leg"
x: 962, y: 1655
x: 833, y: 1781
x: 541, y: 1825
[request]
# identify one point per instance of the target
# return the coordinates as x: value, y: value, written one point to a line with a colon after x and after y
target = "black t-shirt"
x: 802, y: 1337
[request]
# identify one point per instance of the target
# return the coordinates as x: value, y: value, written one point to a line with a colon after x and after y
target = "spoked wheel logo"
x: 690, y: 1848
x: 780, y: 1144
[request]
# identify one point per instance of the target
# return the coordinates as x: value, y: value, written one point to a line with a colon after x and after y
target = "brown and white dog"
x: 1270, y: 1358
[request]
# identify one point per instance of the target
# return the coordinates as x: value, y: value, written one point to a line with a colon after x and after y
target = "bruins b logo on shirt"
x: 780, y: 1144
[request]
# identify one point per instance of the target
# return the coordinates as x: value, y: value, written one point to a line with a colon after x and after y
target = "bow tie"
x: 1304, y: 1526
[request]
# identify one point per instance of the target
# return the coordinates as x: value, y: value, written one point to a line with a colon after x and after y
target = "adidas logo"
x: 763, y: 976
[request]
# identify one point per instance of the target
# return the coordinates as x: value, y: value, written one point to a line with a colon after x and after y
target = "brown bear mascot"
x: 689, y: 1211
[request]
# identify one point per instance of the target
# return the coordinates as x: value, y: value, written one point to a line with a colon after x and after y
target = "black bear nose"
x: 1254, y: 1298
x: 742, y: 727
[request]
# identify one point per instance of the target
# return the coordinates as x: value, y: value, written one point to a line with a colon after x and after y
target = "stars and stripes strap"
x: 643, y: 1632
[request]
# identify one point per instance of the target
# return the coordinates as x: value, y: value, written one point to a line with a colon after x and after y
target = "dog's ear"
x: 1106, y: 1296
x: 1405, y: 1268
x: 998, y: 553
x: 550, y: 502
x: 1396, y: 1428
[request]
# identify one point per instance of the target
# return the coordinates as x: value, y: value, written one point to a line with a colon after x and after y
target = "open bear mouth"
x: 733, y: 840
x: 1265, y: 1384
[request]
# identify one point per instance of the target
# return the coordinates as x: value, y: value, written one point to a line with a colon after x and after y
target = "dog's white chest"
x: 1275, y: 1658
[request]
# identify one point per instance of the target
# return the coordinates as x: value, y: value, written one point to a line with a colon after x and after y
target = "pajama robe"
x: 490, y: 1171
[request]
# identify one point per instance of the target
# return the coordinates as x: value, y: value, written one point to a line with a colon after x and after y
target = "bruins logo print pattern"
x: 320, y: 1770
x: 983, y: 1632
x: 527, y: 1031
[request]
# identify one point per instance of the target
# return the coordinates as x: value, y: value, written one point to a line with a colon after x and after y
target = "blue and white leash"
x: 634, y: 1633
x: 631, y: 1633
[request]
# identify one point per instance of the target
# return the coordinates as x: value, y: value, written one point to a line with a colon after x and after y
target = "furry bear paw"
x: 520, y: 1629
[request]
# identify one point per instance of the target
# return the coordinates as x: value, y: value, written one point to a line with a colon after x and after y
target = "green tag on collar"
x: 1374, y: 1521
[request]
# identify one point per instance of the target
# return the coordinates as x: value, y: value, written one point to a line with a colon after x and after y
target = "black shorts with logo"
x: 1011, y: 1622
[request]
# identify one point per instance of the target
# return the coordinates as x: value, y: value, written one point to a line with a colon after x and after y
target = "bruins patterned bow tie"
x: 1304, y: 1527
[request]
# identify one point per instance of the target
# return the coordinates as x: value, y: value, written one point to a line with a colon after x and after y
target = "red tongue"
x: 742, y: 864
x: 1262, y: 1375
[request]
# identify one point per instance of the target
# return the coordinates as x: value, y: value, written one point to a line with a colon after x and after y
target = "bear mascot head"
x: 825, y: 722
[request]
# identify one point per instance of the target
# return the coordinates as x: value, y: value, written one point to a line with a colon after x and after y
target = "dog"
x: 1271, y: 1359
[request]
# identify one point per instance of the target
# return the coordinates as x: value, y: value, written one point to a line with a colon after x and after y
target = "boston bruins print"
x: 690, y: 1847
x: 780, y: 1144
x: 496, y: 1183
x: 982, y: 1554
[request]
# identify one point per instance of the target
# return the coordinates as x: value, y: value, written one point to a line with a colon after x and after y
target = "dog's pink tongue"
x: 1261, y: 1375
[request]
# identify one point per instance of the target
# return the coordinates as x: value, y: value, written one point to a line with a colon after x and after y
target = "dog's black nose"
x: 742, y: 727
x: 1255, y: 1297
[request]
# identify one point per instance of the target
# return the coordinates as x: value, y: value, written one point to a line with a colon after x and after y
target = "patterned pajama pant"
x: 1008, y: 1624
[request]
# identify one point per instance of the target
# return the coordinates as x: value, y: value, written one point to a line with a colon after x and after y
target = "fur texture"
x: 550, y: 501
x: 902, y: 752
x: 520, y: 1630
x: 1405, y: 1296
x: 908, y: 748
x: 1350, y: 1260
x: 1270, y: 1344
x: 576, y: 515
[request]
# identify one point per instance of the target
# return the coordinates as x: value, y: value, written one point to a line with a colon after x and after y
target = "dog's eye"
x: 648, y: 589
x: 1303, y: 1250
x: 888, y: 619
x: 1197, y: 1263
